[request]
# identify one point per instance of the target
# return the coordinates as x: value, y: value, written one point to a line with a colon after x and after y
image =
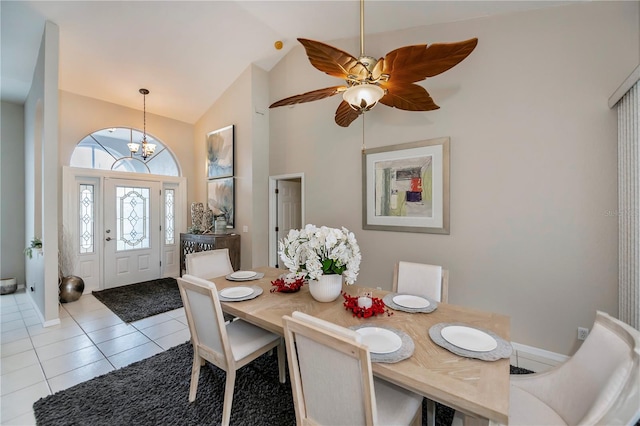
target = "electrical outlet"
x: 582, y: 333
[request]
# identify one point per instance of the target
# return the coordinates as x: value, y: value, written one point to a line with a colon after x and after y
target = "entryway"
x: 121, y: 228
x: 286, y: 210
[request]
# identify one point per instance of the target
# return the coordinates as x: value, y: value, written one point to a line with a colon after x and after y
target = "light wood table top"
x: 474, y: 387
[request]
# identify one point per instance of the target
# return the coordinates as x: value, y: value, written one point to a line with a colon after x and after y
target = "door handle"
x: 108, y: 238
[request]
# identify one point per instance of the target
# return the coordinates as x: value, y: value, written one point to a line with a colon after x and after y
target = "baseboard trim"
x: 553, y: 357
x: 42, y: 321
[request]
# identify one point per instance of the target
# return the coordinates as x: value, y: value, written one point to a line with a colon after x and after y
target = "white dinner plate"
x: 236, y: 292
x: 409, y: 301
x: 469, y: 338
x: 380, y: 340
x: 243, y: 274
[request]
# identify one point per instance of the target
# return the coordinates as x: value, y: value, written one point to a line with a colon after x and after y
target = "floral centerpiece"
x: 321, y: 252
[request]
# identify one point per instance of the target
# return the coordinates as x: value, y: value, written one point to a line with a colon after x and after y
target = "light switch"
x: 245, y: 228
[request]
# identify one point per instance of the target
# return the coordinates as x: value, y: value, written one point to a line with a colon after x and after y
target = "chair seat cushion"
x: 246, y: 338
x: 526, y: 409
x: 396, y: 406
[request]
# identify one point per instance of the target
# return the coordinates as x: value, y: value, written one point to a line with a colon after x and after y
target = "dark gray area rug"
x: 136, y: 301
x: 155, y: 391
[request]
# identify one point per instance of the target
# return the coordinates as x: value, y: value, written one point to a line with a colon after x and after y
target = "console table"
x: 192, y: 243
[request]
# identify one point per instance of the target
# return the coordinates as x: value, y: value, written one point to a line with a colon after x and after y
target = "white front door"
x: 132, y: 237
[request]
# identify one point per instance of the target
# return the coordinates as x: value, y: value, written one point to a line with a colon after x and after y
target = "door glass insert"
x: 132, y: 218
x: 86, y: 218
x: 169, y: 209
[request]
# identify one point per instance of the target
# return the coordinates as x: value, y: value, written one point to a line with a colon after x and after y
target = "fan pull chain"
x: 363, y: 146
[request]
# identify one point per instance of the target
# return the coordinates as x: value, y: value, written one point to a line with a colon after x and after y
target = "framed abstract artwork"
x: 406, y: 187
x: 220, y: 153
x: 221, y: 198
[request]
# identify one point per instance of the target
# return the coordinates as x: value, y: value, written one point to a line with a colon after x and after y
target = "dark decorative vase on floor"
x: 71, y: 288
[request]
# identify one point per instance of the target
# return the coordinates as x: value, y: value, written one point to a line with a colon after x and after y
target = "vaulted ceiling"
x: 188, y: 52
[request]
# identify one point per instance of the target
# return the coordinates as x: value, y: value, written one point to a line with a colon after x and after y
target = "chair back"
x: 330, y: 373
x: 421, y: 279
x: 209, y: 264
x: 204, y: 316
x: 600, y: 383
x: 610, y: 358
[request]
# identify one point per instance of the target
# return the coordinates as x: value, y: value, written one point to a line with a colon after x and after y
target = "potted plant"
x: 325, y: 256
x: 36, y: 244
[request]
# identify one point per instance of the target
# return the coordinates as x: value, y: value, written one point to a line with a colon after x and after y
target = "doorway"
x: 120, y: 228
x: 286, y: 210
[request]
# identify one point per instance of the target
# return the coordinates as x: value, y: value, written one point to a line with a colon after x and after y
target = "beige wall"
x: 243, y: 104
x: 533, y: 162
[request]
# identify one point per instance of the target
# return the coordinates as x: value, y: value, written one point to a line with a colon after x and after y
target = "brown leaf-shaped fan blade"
x: 309, y: 96
x: 407, y: 96
x: 345, y: 114
x: 415, y: 63
x: 330, y: 60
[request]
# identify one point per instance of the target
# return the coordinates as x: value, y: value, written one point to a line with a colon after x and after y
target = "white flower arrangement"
x: 320, y: 251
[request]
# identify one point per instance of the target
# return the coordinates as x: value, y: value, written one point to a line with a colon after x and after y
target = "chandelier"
x: 147, y: 148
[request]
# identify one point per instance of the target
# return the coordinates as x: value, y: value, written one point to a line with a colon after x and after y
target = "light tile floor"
x: 90, y: 340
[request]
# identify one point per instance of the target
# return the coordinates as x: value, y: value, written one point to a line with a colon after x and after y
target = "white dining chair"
x: 228, y: 346
x: 421, y: 279
x: 598, y: 385
x: 332, y: 381
x: 209, y: 264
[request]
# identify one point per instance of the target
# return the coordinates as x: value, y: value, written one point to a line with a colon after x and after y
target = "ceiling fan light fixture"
x: 363, y: 97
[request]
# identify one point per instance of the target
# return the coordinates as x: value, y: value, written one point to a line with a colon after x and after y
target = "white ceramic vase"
x: 327, y: 288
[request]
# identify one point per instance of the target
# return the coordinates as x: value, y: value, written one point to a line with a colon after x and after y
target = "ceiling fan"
x: 389, y: 80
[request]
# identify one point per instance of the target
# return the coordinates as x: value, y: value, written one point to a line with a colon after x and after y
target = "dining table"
x: 477, y: 388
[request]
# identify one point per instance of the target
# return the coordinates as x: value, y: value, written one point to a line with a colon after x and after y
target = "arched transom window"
x: 107, y: 149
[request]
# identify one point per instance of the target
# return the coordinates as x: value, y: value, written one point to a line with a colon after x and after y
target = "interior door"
x: 289, y: 207
x: 132, y: 235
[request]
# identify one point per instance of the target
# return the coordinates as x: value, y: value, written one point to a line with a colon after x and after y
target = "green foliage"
x: 193, y: 229
x: 36, y: 243
x: 329, y: 267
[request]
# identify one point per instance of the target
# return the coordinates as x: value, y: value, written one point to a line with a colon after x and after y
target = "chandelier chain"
x: 144, y: 117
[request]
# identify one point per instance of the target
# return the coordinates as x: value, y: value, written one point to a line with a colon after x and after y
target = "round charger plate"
x: 410, y: 301
x: 236, y: 292
x: 380, y: 340
x: 469, y: 338
x: 243, y: 274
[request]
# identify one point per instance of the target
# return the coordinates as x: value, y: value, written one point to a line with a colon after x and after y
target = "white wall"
x: 238, y: 106
x: 12, y: 236
x: 41, y: 176
x: 533, y: 162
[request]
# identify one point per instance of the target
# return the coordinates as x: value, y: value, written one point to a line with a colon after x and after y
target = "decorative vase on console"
x: 197, y: 212
x: 326, y: 256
